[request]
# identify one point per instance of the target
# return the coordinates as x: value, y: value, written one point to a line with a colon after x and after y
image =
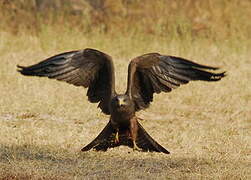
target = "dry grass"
x: 206, y: 126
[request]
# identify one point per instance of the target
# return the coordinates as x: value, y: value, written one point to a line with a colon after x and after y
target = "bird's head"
x: 122, y: 102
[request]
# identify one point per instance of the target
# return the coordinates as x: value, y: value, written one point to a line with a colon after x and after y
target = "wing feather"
x: 162, y: 74
x: 88, y: 68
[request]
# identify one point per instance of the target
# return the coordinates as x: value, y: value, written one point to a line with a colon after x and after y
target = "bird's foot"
x: 116, y: 137
x: 135, y: 147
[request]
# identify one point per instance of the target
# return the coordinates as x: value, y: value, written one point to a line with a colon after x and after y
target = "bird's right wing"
x: 88, y: 68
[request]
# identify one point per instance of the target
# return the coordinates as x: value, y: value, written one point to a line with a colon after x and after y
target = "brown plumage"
x: 147, y: 74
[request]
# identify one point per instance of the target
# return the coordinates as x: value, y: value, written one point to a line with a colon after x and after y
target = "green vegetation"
x: 206, y: 126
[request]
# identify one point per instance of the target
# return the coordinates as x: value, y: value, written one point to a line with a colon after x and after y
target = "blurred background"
x: 217, y: 19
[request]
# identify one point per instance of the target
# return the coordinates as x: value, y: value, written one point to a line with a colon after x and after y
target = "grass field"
x: 206, y: 126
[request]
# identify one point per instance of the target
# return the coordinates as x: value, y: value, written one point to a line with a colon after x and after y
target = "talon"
x: 116, y: 137
x: 135, y: 147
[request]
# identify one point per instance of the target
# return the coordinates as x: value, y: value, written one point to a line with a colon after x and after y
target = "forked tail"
x: 103, y: 141
x: 106, y: 139
x: 147, y: 143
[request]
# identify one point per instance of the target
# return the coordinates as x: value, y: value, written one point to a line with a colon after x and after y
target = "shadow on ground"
x: 36, y: 162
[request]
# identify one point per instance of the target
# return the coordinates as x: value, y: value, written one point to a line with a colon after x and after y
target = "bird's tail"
x: 147, y: 143
x: 106, y: 139
x: 103, y: 141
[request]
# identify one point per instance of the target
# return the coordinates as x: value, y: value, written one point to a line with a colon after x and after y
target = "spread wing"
x: 88, y: 68
x: 154, y: 73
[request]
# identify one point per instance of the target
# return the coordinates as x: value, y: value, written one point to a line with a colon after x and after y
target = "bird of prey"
x: 147, y: 74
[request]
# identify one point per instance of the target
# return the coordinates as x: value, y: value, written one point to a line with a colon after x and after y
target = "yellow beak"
x: 121, y: 102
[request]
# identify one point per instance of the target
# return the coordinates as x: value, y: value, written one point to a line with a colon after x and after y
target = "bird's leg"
x: 117, y: 136
x: 134, y: 132
x: 116, y: 127
x: 135, y: 147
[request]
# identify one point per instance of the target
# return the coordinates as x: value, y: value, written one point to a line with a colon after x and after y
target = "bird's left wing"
x: 88, y: 68
x: 154, y: 73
